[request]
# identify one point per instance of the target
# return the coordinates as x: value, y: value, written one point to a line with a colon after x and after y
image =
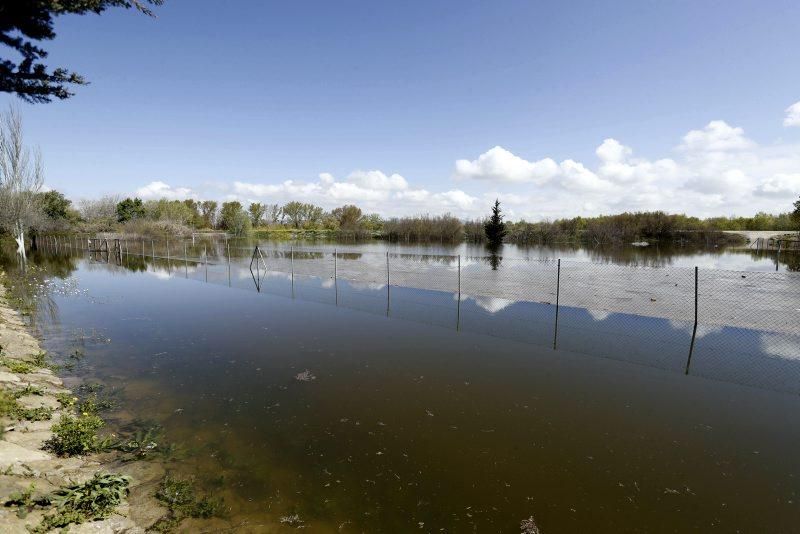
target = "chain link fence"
x: 742, y: 327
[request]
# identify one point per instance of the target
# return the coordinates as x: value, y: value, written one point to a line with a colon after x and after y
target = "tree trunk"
x: 19, y: 237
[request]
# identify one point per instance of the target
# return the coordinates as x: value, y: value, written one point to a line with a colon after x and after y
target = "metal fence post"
x: 169, y: 267
x: 205, y: 260
x: 458, y: 307
x: 228, y: 248
x: 292, y: 268
x: 558, y: 295
x: 153, y: 249
x: 335, y: 282
x: 694, y: 329
x: 185, y: 260
x: 388, y: 285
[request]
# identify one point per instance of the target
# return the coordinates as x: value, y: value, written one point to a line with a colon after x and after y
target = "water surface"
x: 400, y: 424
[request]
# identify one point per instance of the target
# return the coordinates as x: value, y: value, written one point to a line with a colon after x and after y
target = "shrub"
x: 76, y: 435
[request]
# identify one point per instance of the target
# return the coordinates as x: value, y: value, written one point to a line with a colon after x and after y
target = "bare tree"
x: 21, y: 178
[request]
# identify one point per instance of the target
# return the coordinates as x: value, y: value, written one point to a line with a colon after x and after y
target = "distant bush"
x: 424, y: 228
x: 144, y: 227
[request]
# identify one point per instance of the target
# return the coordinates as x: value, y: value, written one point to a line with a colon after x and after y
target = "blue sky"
x: 434, y: 106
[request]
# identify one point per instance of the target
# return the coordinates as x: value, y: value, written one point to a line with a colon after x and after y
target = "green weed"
x: 76, y: 435
x: 17, y: 366
x: 95, y: 499
x: 180, y: 498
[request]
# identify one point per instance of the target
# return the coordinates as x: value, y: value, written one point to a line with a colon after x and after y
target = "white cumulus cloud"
x: 792, y: 115
x: 158, y: 189
x: 498, y: 164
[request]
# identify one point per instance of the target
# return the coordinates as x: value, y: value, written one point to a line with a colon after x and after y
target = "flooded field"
x: 338, y: 407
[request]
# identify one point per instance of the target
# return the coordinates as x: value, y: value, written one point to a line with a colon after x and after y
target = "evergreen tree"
x: 495, y: 228
x: 23, y: 23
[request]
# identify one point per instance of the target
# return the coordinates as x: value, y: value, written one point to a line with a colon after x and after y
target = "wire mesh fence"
x: 736, y: 326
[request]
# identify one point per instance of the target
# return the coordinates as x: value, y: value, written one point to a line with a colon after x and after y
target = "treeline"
x: 180, y: 217
x: 641, y: 226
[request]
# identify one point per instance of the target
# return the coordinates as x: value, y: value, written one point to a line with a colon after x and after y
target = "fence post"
x: 558, y: 296
x: 292, y: 268
x: 142, y: 249
x: 205, y: 260
x: 153, y: 249
x: 169, y: 267
x: 335, y: 282
x: 388, y: 294
x: 228, y: 249
x: 694, y: 330
x: 458, y: 308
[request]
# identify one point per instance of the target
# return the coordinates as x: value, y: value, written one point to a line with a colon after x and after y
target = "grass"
x: 179, y: 496
x: 17, y: 366
x: 73, y: 436
x: 9, y: 407
x: 29, y: 390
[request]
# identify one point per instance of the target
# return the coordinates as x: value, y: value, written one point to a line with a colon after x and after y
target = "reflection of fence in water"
x: 740, y: 326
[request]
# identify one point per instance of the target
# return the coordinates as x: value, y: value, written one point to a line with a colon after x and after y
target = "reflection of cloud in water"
x: 245, y: 274
x: 161, y: 274
x: 599, y: 315
x: 780, y: 345
x: 327, y: 284
x: 374, y: 286
x: 490, y: 304
x: 702, y: 329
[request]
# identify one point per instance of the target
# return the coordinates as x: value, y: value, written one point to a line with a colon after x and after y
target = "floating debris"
x: 528, y: 526
x: 305, y: 376
x: 293, y: 521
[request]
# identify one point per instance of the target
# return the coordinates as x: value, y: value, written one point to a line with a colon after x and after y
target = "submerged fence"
x: 736, y: 326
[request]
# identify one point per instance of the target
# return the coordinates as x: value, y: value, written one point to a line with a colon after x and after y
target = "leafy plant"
x: 95, y: 499
x: 66, y: 400
x: 180, y: 498
x: 76, y: 435
x: 140, y: 445
x: 93, y: 405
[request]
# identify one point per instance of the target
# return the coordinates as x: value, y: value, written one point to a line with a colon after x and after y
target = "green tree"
x: 208, y: 210
x: 25, y: 22
x: 130, y: 208
x: 193, y: 207
x: 55, y: 205
x: 294, y: 211
x: 228, y: 214
x: 495, y: 228
x: 233, y: 219
x: 349, y: 218
x: 257, y: 211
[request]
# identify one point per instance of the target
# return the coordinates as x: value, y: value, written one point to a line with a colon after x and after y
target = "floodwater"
x: 325, y: 403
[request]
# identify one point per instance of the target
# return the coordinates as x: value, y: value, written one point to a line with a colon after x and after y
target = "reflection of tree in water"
x: 28, y: 284
x: 494, y: 259
x: 791, y: 260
